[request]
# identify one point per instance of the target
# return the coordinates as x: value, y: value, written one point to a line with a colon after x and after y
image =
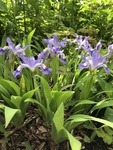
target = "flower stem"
x: 35, y: 84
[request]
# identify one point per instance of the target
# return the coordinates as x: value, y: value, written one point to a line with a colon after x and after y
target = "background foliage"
x: 94, y: 18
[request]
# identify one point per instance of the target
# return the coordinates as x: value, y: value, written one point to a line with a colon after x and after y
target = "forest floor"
x: 34, y: 135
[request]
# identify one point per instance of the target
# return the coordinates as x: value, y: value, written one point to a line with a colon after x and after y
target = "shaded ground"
x: 34, y: 135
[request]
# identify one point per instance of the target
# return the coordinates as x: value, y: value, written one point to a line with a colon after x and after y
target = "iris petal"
x: 32, y: 64
x: 54, y: 48
x: 15, y: 49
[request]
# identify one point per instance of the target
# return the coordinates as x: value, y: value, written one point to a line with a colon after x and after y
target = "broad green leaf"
x: 19, y: 104
x: 108, y: 130
x: 59, y: 97
x: 11, y: 86
x: 85, y: 102
x: 67, y: 86
x: 108, y: 139
x: 2, y: 106
x: 59, y: 133
x: 37, y: 45
x: 102, y: 104
x: 18, y: 122
x: 29, y: 38
x: 75, y: 120
x: 108, y: 114
x: 4, y: 91
x: 6, y: 70
x: 105, y: 87
x: 82, y: 80
x: 58, y: 122
x: 86, y: 88
x: 55, y: 87
x: 47, y: 91
x: 74, y: 143
x: 86, y: 139
x: 100, y: 132
x: 59, y: 117
x: 9, y: 114
x: 25, y: 82
x: 8, y: 101
x: 28, y: 51
x: 28, y: 94
x: 16, y: 100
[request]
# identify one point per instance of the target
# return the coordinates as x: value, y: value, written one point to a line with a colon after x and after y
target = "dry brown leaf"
x: 42, y: 129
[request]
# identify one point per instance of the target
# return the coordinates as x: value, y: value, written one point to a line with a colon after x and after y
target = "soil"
x: 34, y: 135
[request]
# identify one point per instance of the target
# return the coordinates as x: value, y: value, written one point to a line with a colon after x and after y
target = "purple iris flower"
x: 54, y: 48
x: 82, y: 43
x: 2, y: 50
x: 15, y: 49
x: 110, y: 49
x: 98, y: 47
x: 94, y: 60
x: 54, y: 42
x: 32, y: 64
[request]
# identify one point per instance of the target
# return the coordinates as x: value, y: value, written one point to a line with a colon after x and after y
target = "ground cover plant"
x: 58, y: 83
x: 56, y: 68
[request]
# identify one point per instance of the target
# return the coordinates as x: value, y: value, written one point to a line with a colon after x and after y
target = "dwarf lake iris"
x: 32, y: 64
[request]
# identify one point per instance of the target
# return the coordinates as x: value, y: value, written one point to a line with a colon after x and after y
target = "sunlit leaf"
x: 59, y: 97
x: 75, y: 120
x: 9, y: 114
x: 102, y: 104
x: 47, y: 91
x: 59, y: 133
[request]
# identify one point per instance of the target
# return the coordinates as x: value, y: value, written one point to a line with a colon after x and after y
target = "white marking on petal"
x: 44, y: 66
x: 19, y: 68
x: 6, y: 47
x: 46, y: 49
